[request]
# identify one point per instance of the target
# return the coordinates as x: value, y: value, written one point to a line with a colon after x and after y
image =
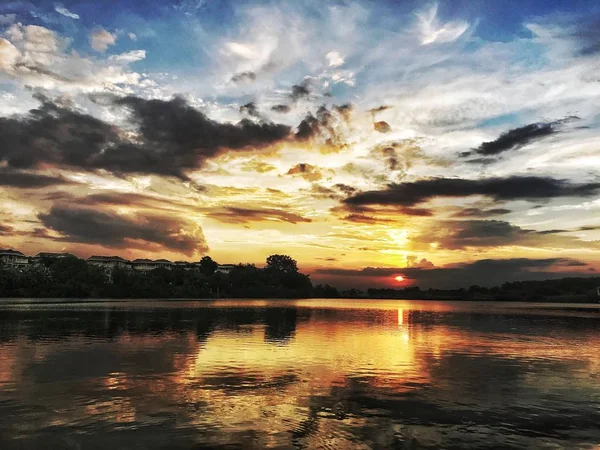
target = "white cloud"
x: 334, y: 59
x: 9, y: 55
x: 7, y: 19
x: 129, y: 57
x: 101, y: 39
x: 65, y: 12
x: 132, y: 36
x: 38, y: 57
x: 434, y: 32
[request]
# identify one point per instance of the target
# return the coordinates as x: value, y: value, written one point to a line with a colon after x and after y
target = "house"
x: 146, y: 265
x: 163, y: 263
x: 13, y: 258
x: 49, y: 255
x: 143, y: 265
x: 109, y: 262
x: 225, y: 268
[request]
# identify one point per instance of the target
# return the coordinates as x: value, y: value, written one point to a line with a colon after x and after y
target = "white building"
x: 13, y: 258
x: 50, y: 255
x: 225, y: 268
x: 109, y: 262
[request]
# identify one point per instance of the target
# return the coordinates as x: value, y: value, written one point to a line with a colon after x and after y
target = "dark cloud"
x: 232, y: 214
x: 461, y: 234
x: 529, y: 188
x: 179, y: 136
x: 478, y: 212
x: 362, y: 218
x: 300, y: 91
x: 6, y: 230
x: 326, y: 124
x: 306, y: 171
x: 250, y: 109
x: 400, y: 156
x: 281, y: 108
x: 243, y: 77
x: 518, y: 137
x: 173, y: 138
x: 107, y: 228
x: 382, y: 126
x: 486, y: 272
x: 574, y: 230
x: 379, y: 109
x: 30, y: 180
x: 344, y: 188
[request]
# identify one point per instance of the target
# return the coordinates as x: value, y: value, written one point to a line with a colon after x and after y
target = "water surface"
x: 338, y: 374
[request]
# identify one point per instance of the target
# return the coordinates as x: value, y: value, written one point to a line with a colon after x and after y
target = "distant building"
x: 50, y: 255
x: 143, y: 265
x: 164, y: 263
x: 184, y: 264
x: 225, y: 268
x: 109, y: 262
x: 13, y: 258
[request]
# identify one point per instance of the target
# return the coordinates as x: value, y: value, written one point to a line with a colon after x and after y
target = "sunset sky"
x: 450, y: 143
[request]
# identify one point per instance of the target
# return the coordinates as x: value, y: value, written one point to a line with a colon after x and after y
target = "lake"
x: 308, y: 374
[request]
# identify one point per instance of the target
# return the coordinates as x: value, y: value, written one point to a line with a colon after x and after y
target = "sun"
x: 399, y: 278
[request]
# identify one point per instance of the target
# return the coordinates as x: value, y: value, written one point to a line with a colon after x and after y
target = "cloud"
x: 100, y: 39
x: 65, y: 12
x: 530, y: 188
x: 179, y: 136
x: 250, y: 109
x: 485, y: 272
x: 281, y: 108
x: 382, y: 126
x: 232, y: 214
x: 257, y: 166
x: 329, y: 126
x: 434, y: 32
x: 518, y: 137
x: 379, y: 109
x: 461, y: 234
x: 369, y: 220
x: 306, y: 171
x: 300, y: 91
x: 109, y: 229
x: 129, y: 57
x: 478, y: 212
x: 334, y: 59
x: 38, y: 57
x: 30, y: 180
x: 243, y: 77
x: 414, y: 262
x: 7, y: 19
x: 172, y: 137
x: 574, y: 230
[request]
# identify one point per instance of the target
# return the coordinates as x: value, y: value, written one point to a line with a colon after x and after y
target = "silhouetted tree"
x: 208, y: 266
x: 282, y: 263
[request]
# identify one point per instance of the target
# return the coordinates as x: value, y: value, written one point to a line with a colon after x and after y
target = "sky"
x: 450, y: 143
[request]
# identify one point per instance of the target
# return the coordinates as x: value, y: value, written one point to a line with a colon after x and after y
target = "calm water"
x: 339, y: 374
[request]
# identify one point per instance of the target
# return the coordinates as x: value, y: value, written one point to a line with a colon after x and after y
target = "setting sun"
x: 399, y: 278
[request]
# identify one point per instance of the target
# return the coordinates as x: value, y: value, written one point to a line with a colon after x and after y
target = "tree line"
x: 71, y: 277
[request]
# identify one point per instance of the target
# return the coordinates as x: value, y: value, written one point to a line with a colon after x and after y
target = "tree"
x: 282, y: 263
x: 208, y: 266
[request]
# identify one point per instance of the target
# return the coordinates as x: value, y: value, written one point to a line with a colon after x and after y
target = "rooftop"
x: 106, y: 258
x: 10, y: 251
